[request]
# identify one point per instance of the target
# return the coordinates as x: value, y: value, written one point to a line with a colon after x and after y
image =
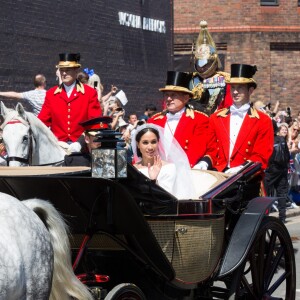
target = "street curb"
x: 293, y: 212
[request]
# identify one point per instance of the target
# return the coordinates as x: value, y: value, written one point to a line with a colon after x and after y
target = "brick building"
x: 128, y: 43
x: 265, y: 33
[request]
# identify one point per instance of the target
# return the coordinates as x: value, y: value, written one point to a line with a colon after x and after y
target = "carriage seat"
x: 205, y: 180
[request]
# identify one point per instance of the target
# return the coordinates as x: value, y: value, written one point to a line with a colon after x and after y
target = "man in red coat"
x: 182, y: 122
x: 70, y: 103
x: 241, y: 132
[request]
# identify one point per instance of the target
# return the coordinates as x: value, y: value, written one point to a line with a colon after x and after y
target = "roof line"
x: 239, y: 29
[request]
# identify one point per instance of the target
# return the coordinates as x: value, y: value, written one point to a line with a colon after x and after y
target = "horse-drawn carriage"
x: 133, y: 240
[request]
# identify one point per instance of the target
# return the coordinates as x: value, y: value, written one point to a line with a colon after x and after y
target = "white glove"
x: 201, y: 165
x: 74, y: 147
x: 234, y: 170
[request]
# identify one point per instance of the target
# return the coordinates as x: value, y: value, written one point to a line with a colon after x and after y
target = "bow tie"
x: 171, y: 117
x: 239, y: 111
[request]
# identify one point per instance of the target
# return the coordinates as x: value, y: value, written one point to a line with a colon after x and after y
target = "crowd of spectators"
x: 284, y: 179
x: 285, y: 121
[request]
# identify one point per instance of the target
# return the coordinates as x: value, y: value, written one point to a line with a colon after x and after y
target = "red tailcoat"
x: 62, y: 114
x: 254, y: 141
x: 190, y: 133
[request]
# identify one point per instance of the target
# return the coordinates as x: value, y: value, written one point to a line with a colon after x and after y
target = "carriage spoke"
x: 248, y: 288
x: 269, y: 269
x: 277, y: 283
x: 256, y: 260
x: 274, y: 257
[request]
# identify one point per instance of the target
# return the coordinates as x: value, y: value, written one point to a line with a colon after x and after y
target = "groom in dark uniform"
x: 91, y: 128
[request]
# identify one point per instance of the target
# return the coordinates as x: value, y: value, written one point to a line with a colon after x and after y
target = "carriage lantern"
x: 109, y: 161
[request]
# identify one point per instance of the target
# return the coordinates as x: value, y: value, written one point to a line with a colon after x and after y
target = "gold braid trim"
x: 190, y: 113
x: 224, y: 74
x: 58, y: 90
x: 253, y: 113
x: 158, y: 116
x: 222, y: 112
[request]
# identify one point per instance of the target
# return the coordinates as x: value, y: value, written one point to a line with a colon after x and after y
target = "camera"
x: 141, y: 122
x: 288, y: 110
x: 119, y: 109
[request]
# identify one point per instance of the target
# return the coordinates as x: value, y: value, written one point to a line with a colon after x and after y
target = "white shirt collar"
x: 175, y: 116
x: 69, y: 88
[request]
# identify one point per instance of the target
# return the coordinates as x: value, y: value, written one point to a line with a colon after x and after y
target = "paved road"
x: 293, y: 226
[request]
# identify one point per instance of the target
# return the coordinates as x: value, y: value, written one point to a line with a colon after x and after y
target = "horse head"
x: 28, y: 141
x: 16, y: 135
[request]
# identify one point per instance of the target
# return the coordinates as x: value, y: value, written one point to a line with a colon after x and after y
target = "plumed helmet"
x: 206, y: 53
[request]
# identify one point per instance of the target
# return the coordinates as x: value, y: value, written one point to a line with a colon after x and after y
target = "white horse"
x: 35, y: 256
x: 28, y: 140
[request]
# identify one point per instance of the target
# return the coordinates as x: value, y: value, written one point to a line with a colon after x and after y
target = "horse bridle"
x: 31, y: 138
x: 27, y: 160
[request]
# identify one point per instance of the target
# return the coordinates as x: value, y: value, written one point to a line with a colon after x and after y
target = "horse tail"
x: 64, y: 282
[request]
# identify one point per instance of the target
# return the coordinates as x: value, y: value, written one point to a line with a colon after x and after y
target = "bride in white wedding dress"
x: 172, y: 173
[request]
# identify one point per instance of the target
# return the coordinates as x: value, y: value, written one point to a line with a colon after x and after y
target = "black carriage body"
x: 137, y: 232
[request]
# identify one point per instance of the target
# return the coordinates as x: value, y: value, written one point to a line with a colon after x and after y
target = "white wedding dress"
x: 175, y: 175
x: 166, y: 177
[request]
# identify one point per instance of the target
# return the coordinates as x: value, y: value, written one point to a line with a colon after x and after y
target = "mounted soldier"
x: 208, y: 82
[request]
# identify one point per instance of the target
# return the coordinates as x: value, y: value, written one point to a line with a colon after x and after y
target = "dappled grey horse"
x: 35, y: 256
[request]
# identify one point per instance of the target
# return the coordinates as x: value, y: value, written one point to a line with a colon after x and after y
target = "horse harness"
x: 31, y: 139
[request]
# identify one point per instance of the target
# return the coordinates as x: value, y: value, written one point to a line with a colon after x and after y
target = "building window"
x: 270, y: 2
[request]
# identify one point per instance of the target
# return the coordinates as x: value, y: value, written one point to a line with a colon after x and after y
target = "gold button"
x: 217, y: 163
x: 68, y: 116
x: 249, y: 143
x: 247, y: 150
x: 217, y: 141
x: 69, y: 104
x: 69, y: 134
x: 69, y: 109
x: 185, y: 147
x: 68, y: 128
x: 245, y: 158
x: 68, y: 122
x: 186, y: 141
x: 218, y: 148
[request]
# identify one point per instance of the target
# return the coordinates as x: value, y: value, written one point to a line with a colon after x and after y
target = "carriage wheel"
x: 270, y: 264
x: 125, y: 291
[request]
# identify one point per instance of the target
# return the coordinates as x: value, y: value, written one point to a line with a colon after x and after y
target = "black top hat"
x: 93, y: 126
x: 69, y: 60
x: 242, y: 74
x: 178, y: 81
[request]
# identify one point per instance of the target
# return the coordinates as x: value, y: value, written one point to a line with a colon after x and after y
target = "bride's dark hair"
x: 141, y: 133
